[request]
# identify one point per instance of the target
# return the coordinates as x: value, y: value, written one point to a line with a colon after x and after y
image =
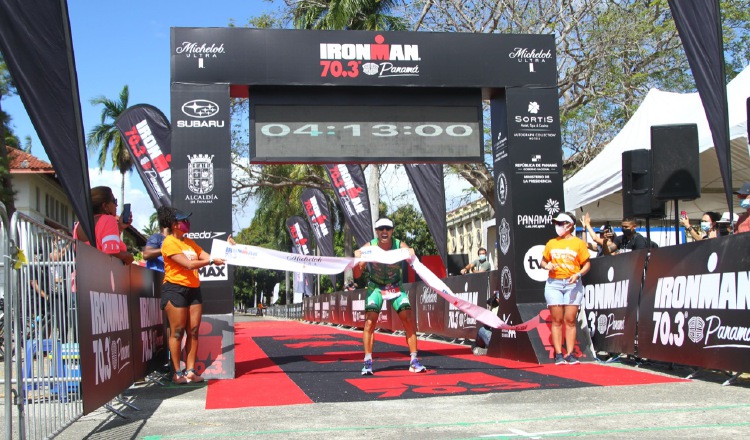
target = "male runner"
x: 386, y: 284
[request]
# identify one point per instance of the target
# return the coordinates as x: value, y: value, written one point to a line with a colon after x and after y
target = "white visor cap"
x: 383, y: 222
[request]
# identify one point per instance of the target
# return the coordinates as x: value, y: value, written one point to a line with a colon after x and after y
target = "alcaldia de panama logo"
x: 201, y: 173
x: 380, y: 59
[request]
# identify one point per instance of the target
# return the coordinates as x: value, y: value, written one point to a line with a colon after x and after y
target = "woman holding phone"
x: 181, y: 295
x: 107, y: 225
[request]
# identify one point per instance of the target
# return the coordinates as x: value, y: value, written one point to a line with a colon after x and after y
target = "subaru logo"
x: 200, y: 108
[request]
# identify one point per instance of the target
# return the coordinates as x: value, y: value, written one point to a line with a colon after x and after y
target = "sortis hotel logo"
x: 380, y: 59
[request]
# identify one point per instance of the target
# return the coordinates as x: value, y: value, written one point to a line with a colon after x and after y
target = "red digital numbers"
x: 336, y: 69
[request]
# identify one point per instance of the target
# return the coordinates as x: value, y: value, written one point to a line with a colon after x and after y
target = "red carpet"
x: 287, y: 363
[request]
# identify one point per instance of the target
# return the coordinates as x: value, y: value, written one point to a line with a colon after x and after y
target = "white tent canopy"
x: 597, y: 187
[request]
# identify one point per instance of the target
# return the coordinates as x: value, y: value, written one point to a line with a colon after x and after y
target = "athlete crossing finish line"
x: 253, y: 256
x: 386, y: 284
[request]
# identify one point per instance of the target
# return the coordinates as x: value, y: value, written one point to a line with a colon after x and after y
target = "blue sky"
x: 119, y: 43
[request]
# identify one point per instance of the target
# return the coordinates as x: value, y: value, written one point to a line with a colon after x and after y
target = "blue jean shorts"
x: 561, y: 293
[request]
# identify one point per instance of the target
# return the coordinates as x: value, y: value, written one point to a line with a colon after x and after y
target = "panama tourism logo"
x: 552, y: 206
x: 201, y: 173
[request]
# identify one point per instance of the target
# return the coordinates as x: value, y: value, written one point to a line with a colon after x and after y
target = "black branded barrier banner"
x: 694, y: 305
x: 149, y: 325
x: 215, y: 358
x: 473, y: 288
x: 431, y: 309
x: 201, y: 178
x: 148, y: 135
x: 361, y: 58
x: 319, y: 217
x: 613, y: 286
x: 349, y: 185
x: 105, y: 328
x: 37, y: 48
x: 508, y: 344
x: 528, y: 185
x: 428, y: 185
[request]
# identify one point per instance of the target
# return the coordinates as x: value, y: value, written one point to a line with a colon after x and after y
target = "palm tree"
x: 105, y: 137
x: 364, y: 15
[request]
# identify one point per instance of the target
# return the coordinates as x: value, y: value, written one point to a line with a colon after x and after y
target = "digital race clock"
x: 430, y: 131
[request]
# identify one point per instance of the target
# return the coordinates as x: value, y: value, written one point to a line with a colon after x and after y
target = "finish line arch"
x: 368, y: 97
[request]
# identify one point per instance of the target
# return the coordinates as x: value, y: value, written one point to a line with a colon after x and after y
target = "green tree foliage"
x: 609, y: 54
x: 346, y: 14
x: 412, y: 228
x: 7, y: 137
x: 105, y: 140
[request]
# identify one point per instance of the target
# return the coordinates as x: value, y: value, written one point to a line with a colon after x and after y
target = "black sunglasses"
x: 560, y: 223
x: 384, y: 228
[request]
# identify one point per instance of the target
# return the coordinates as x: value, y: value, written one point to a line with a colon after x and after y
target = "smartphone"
x: 125, y: 216
x: 683, y: 214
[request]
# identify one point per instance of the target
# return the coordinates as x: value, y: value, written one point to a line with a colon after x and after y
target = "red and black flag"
x: 148, y: 135
x: 349, y: 185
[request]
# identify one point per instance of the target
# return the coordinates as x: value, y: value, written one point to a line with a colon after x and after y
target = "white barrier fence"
x: 41, y: 372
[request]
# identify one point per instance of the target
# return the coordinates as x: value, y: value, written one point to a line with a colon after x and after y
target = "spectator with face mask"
x: 708, y: 228
x: 630, y: 240
x: 566, y: 257
x: 481, y: 264
x: 743, y: 221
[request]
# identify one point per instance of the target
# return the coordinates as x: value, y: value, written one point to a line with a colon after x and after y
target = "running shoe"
x: 559, y: 359
x: 416, y: 367
x: 571, y: 359
x: 367, y: 369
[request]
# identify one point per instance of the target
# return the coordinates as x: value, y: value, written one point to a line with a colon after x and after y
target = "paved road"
x: 700, y: 408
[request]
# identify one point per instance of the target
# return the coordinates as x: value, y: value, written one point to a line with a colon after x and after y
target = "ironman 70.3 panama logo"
x: 379, y: 59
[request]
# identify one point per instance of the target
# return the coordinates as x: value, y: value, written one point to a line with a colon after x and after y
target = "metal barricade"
x: 6, y: 337
x: 45, y: 371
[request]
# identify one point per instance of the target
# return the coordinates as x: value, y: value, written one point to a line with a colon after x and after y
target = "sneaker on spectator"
x: 571, y: 359
x: 479, y: 351
x: 559, y: 360
x: 416, y: 367
x: 367, y: 369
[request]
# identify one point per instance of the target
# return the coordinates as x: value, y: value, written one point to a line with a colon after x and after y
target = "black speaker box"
x: 637, y: 199
x: 675, y: 167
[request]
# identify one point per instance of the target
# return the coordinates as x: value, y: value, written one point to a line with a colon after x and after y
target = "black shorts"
x: 180, y: 296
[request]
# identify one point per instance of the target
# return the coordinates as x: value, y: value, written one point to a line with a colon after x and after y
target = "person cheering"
x: 386, y: 284
x: 566, y: 257
x: 708, y: 229
x: 743, y: 221
x: 181, y: 294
